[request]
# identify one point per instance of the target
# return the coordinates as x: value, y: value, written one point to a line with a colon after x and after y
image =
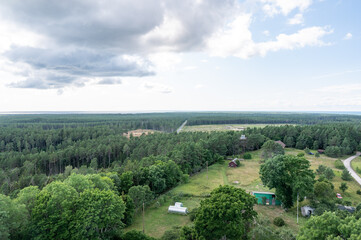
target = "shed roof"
x: 253, y: 192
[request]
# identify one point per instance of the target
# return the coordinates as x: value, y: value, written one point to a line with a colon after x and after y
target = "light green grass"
x: 356, y: 163
x: 158, y: 220
x: 224, y: 127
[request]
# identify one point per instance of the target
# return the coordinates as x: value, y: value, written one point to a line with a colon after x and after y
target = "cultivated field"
x: 158, y: 220
x: 224, y: 127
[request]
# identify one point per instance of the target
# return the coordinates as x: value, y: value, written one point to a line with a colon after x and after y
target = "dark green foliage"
x: 339, y: 165
x: 140, y: 194
x: 226, y: 213
x: 192, y: 214
x: 135, y: 235
x: 172, y: 234
x: 358, y: 192
x: 238, y: 163
x: 129, y: 210
x: 343, y: 186
x: 329, y: 174
x: 188, y: 233
x: 346, y: 175
x: 300, y: 154
x: 271, y: 148
x: 331, y: 226
x: 278, y: 221
x: 247, y: 156
x: 289, y: 175
x: 333, y: 151
x: 317, y: 155
x: 321, y: 169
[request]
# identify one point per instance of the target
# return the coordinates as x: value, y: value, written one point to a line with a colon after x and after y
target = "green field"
x: 225, y: 127
x: 158, y: 220
x: 356, y: 163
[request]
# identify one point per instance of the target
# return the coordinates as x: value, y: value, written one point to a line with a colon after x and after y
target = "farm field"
x: 225, y: 127
x: 246, y: 177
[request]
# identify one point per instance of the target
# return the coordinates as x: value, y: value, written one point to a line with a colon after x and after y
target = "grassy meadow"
x: 158, y: 220
x: 224, y: 127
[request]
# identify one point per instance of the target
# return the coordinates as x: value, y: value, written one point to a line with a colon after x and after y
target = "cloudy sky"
x: 156, y: 55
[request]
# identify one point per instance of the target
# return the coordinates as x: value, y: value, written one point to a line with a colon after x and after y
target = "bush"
x: 339, y: 165
x: 317, y: 155
x: 192, y: 214
x: 247, y: 156
x: 346, y: 175
x: 279, y: 222
x: 172, y: 234
x: 321, y: 169
x: 238, y: 163
x: 358, y: 192
x: 343, y: 187
x: 300, y: 154
x: 333, y: 151
x: 329, y: 174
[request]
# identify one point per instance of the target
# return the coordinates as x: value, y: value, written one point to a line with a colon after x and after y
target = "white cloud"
x: 266, y: 33
x: 273, y: 7
x: 198, y: 86
x: 236, y: 40
x: 297, y: 19
x: 344, y: 88
x: 348, y: 36
x: 190, y: 68
x: 157, y: 87
x: 165, y: 61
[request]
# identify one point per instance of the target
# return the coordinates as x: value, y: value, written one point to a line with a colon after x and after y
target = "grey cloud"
x: 110, y: 81
x: 95, y: 38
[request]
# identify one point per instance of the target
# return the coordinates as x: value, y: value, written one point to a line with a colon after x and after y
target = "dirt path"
x: 347, y: 163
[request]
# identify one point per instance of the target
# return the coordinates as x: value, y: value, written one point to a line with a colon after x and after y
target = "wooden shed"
x: 232, y: 163
x: 281, y: 143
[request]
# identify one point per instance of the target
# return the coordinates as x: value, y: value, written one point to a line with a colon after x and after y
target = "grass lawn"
x: 356, y: 163
x: 224, y: 127
x: 158, y: 220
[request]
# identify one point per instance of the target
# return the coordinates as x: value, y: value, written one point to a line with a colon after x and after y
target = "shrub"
x: 343, y: 187
x: 346, y: 175
x: 321, y: 169
x: 358, y: 192
x: 172, y: 234
x: 300, y: 154
x: 247, y: 156
x: 339, y: 165
x: 329, y: 174
x: 192, y: 214
x: 238, y: 163
x: 307, y: 150
x: 279, y: 222
x: 317, y: 155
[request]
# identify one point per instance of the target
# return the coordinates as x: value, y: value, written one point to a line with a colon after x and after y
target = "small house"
x: 266, y: 198
x: 307, y: 211
x: 321, y: 151
x: 233, y: 163
x: 178, y: 208
x: 281, y: 143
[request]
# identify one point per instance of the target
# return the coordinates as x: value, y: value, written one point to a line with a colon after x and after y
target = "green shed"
x: 270, y: 198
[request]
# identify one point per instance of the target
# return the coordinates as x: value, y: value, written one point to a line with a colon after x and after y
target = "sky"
x: 189, y: 55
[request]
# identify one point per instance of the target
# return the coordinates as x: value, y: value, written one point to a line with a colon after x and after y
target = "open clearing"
x: 356, y: 163
x: 158, y: 220
x: 225, y: 127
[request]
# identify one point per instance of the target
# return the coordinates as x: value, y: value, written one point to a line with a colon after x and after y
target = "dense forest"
x: 87, y: 155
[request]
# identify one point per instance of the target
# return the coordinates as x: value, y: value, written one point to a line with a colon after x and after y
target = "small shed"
x: 233, y: 163
x: 346, y: 208
x: 321, y: 151
x: 268, y: 196
x: 178, y: 208
x: 307, y: 211
x: 281, y: 143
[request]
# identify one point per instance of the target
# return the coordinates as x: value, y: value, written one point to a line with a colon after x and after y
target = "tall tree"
x: 289, y: 175
x: 225, y: 214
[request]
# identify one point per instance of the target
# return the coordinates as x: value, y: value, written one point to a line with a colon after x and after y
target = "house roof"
x: 253, y: 192
x: 281, y: 143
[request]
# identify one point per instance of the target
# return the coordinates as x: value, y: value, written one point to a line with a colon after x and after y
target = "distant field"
x: 225, y: 127
x: 158, y: 220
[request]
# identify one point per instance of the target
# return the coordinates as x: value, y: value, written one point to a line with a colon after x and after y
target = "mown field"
x: 158, y: 220
x: 225, y: 127
x: 356, y: 165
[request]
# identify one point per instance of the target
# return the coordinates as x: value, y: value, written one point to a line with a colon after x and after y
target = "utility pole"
x: 297, y: 207
x: 143, y: 218
x: 207, y: 169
